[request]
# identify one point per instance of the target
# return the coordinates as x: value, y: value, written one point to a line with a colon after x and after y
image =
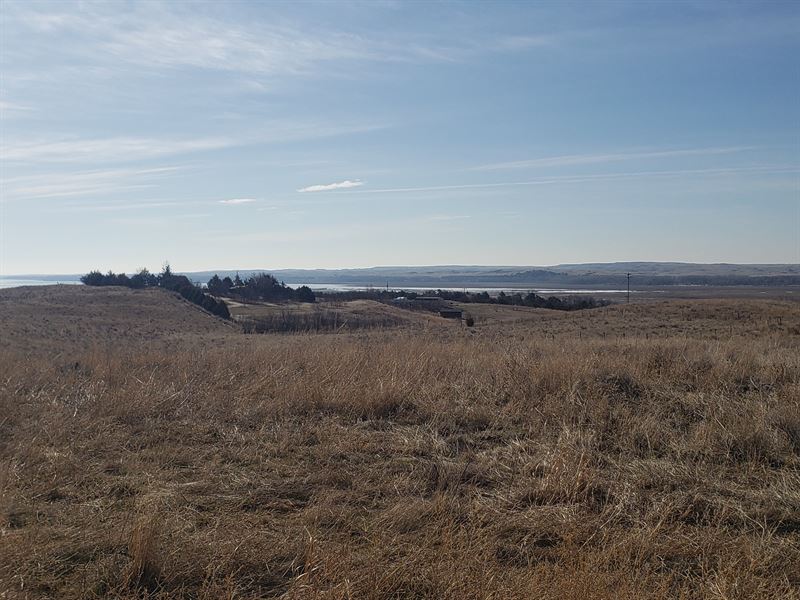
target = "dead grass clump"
x: 453, y: 477
x: 787, y: 421
x: 740, y: 438
x: 145, y: 551
x: 569, y: 474
x: 388, y: 405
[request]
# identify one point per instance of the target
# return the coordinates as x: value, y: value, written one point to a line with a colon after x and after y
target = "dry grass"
x: 439, y: 463
x: 328, y: 316
x: 71, y: 318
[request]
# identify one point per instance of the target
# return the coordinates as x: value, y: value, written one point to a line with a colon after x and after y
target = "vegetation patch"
x: 431, y: 462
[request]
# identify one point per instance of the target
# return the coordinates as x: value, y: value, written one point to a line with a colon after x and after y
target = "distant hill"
x: 587, y: 275
x: 677, y: 269
x: 567, y: 275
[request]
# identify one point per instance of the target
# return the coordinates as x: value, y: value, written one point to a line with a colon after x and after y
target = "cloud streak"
x: 163, y: 35
x: 81, y: 183
x: 131, y: 149
x: 107, y: 150
x: 588, y: 159
x: 11, y: 107
x: 327, y: 187
x: 234, y: 201
x: 124, y: 206
x: 569, y: 179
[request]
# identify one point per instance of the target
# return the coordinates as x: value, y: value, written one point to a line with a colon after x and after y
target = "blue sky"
x: 350, y: 134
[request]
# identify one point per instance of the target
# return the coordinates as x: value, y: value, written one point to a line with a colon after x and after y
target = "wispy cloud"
x: 155, y: 221
x: 126, y: 149
x: 570, y: 179
x: 107, y: 150
x: 170, y: 35
x: 332, y: 186
x: 164, y: 35
x: 123, y: 206
x: 7, y: 108
x: 238, y: 201
x: 588, y: 159
x: 82, y: 183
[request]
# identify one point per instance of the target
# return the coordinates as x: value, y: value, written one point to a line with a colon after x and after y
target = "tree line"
x: 516, y: 299
x: 166, y: 280
x: 530, y: 300
x: 260, y: 286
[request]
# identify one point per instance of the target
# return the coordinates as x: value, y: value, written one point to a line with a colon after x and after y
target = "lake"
x: 10, y: 282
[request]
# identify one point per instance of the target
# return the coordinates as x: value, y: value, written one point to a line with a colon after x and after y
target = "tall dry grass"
x: 398, y: 465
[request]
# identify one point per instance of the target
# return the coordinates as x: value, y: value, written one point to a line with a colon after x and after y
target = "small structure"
x: 451, y: 313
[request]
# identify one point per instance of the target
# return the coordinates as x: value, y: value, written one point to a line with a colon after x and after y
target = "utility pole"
x: 629, y: 288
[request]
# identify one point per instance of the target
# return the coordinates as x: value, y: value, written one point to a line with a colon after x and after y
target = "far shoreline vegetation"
x: 530, y: 299
x: 264, y: 287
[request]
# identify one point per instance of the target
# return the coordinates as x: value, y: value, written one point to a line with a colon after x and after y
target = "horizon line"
x: 429, y: 266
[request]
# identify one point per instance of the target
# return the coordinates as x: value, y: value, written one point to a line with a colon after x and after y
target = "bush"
x: 93, y: 278
x: 304, y: 294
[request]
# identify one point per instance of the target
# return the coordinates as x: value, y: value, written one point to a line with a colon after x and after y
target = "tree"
x: 215, y: 285
x: 143, y: 278
x: 305, y: 294
x: 92, y: 278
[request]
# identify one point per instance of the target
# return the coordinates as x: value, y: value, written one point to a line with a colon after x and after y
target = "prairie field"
x: 642, y: 451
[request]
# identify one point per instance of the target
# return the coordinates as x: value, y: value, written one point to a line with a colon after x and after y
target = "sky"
x: 222, y: 135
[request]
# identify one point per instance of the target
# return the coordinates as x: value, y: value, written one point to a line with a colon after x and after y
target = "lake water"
x: 10, y: 282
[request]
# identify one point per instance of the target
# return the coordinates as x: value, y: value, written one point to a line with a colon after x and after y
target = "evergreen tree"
x: 305, y: 294
x: 215, y: 285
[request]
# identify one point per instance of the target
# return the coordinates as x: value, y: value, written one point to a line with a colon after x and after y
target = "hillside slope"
x: 63, y: 318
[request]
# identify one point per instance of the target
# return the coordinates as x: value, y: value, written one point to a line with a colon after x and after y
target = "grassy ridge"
x: 438, y: 464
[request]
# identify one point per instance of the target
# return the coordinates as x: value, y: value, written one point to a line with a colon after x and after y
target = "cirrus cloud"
x: 237, y: 201
x: 332, y: 186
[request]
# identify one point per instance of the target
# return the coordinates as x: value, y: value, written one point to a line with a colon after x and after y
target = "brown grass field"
x: 149, y: 450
